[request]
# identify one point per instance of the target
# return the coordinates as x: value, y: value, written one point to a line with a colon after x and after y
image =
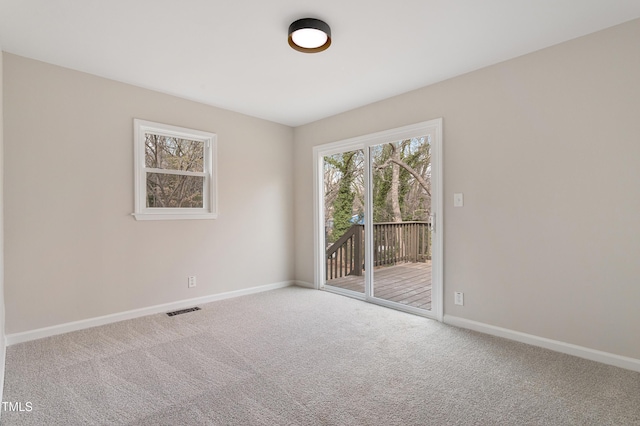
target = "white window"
x: 175, y: 176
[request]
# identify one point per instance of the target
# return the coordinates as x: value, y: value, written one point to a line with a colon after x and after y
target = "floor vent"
x: 182, y: 311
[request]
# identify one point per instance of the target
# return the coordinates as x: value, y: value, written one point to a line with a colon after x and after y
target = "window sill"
x: 174, y: 216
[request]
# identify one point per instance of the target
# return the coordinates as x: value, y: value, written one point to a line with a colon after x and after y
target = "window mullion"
x: 175, y: 172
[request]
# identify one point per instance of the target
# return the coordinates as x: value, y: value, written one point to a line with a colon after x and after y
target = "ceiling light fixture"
x: 309, y: 35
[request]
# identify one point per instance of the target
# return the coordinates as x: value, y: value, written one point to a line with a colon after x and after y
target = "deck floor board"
x: 407, y: 283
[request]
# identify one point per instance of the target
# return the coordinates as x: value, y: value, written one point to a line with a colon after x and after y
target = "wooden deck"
x: 407, y: 283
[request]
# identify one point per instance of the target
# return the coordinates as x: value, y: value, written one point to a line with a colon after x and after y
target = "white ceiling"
x: 234, y: 54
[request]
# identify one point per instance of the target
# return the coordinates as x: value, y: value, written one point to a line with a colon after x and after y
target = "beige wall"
x: 73, y: 250
x: 545, y: 148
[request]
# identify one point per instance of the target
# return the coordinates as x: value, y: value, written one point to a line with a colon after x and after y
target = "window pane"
x: 165, y: 152
x: 175, y: 191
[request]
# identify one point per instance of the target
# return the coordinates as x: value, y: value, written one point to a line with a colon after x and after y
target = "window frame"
x: 210, y: 190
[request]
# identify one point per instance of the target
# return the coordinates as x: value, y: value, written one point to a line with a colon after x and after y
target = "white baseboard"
x: 14, y: 338
x: 304, y: 284
x: 554, y: 345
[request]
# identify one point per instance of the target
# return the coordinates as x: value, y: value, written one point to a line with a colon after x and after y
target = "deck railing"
x: 393, y: 242
x: 345, y: 256
x: 401, y: 242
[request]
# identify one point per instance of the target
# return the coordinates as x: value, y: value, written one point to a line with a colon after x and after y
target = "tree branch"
x: 423, y: 183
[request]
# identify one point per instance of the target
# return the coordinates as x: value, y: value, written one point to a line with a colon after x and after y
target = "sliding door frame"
x: 364, y: 142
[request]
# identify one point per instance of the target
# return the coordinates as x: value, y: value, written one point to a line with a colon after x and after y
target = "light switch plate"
x: 458, y: 199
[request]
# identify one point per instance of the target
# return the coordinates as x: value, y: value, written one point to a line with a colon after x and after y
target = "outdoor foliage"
x: 401, y: 173
x: 402, y: 181
x: 343, y: 178
x: 174, y: 190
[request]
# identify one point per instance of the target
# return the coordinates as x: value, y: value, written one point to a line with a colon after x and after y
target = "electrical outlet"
x: 192, y: 282
x: 458, y: 298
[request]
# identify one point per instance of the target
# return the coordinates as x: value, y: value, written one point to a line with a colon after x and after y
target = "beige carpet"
x: 303, y: 357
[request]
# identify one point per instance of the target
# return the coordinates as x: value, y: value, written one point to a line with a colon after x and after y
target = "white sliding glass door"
x: 378, y: 204
x: 344, y: 216
x: 401, y: 199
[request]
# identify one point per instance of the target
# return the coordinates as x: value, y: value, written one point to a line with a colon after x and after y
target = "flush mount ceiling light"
x: 309, y: 35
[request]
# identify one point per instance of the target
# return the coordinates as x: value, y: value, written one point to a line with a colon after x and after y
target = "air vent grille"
x: 182, y: 311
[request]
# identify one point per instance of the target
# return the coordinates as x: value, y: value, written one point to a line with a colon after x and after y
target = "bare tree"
x: 174, y: 190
